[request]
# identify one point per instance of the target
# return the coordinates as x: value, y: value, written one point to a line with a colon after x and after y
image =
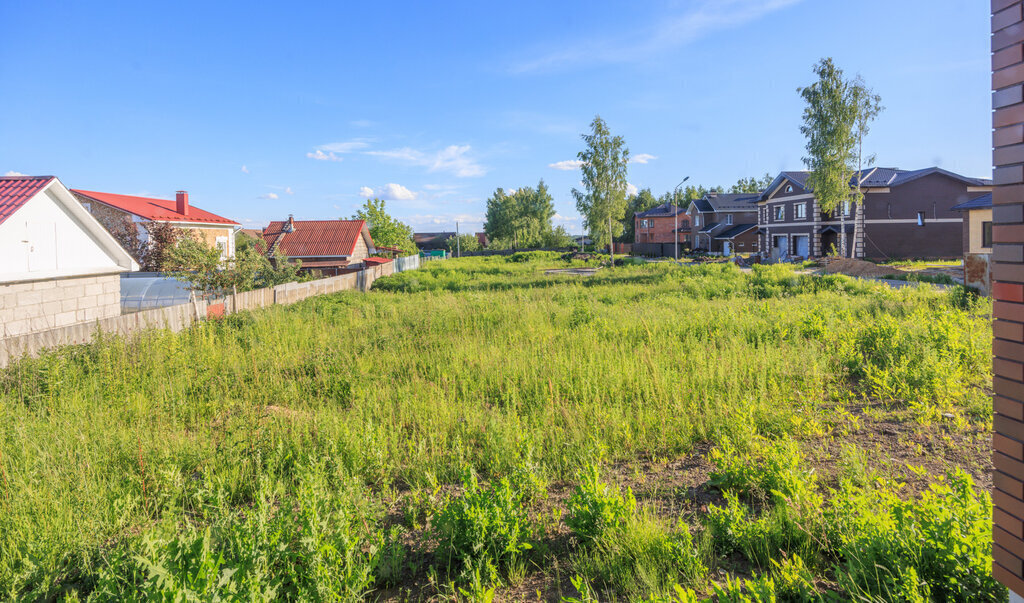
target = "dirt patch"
x: 852, y: 267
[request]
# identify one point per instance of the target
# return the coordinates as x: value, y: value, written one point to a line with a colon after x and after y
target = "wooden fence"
x: 177, y: 318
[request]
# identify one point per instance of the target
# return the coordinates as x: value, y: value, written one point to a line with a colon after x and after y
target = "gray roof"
x: 982, y: 202
x: 661, y: 211
x: 709, y: 227
x: 718, y: 202
x: 877, y: 177
x: 735, y: 231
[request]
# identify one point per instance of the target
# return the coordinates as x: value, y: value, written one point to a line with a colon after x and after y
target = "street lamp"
x: 675, y: 208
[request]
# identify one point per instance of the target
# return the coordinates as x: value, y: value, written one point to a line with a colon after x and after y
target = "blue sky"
x: 264, y: 109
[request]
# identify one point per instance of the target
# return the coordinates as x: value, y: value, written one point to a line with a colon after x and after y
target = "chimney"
x: 182, y: 198
x: 290, y: 226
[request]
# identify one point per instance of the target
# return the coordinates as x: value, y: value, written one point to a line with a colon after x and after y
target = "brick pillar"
x: 858, y: 241
x: 1008, y: 294
x: 816, y: 249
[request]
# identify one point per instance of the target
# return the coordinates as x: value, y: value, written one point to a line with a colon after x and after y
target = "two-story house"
x: 665, y: 223
x: 904, y: 214
x: 724, y: 223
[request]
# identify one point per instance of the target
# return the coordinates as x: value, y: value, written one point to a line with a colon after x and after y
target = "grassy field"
x: 479, y: 429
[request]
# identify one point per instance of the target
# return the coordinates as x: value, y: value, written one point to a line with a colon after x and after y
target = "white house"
x: 58, y: 265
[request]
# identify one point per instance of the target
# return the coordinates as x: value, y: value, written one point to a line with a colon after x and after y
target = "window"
x: 780, y: 213
x: 696, y: 220
x: 920, y: 218
x: 846, y: 208
x: 222, y: 244
x: 986, y: 234
x: 740, y: 244
x: 789, y: 188
x: 728, y: 218
x: 800, y: 211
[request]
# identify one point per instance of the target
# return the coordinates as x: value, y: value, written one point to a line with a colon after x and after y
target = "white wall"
x: 41, y: 240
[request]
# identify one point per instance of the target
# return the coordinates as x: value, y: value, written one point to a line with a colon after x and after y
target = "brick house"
x: 330, y: 247
x: 659, y: 225
x: 724, y: 223
x: 109, y: 209
x: 977, y: 235
x: 58, y: 265
x: 904, y: 214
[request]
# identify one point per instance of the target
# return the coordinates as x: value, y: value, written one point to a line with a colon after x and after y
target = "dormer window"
x: 789, y: 188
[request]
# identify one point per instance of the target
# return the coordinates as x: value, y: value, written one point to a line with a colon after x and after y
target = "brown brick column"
x: 1008, y: 292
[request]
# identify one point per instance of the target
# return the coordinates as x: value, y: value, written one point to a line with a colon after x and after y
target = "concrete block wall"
x: 177, y: 318
x: 30, y: 307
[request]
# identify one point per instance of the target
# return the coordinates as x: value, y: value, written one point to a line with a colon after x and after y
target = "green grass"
x: 319, y: 450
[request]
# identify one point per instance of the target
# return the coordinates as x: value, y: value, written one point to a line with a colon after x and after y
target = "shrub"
x: 767, y: 470
x: 938, y: 547
x: 595, y: 507
x: 486, y: 531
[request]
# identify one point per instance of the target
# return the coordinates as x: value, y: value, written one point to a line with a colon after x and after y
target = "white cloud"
x: 345, y: 147
x: 706, y: 18
x: 567, y: 165
x: 13, y: 173
x: 270, y: 196
x: 288, y: 190
x: 321, y: 156
x: 388, y: 192
x: 641, y: 158
x: 454, y: 159
x: 631, y: 190
x: 245, y: 170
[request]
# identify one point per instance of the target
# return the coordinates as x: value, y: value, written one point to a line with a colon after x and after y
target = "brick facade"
x: 661, y: 229
x: 1008, y: 293
x: 30, y: 307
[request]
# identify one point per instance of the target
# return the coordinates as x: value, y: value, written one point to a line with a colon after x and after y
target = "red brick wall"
x: 1008, y: 292
x: 661, y: 230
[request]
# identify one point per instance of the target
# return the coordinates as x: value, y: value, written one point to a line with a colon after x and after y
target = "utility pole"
x: 611, y: 243
x: 675, y: 212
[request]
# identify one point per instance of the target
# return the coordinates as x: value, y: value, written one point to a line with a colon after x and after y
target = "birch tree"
x: 602, y: 203
x: 829, y: 120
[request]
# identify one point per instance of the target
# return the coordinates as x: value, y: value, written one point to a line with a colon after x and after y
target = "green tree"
x: 836, y: 109
x: 201, y: 266
x: 752, y: 184
x: 463, y: 243
x: 602, y: 203
x: 523, y: 218
x: 385, y: 230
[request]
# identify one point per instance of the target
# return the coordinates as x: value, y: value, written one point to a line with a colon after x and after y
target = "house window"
x: 986, y: 234
x: 728, y: 218
x: 696, y: 220
x: 740, y: 244
x: 800, y: 211
x: 222, y: 244
x: 789, y: 188
x: 780, y: 213
x: 846, y: 208
x: 920, y: 218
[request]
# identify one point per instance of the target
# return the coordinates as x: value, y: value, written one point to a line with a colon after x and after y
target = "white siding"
x: 41, y: 240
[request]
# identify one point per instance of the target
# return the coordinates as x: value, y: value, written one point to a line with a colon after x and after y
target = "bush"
x: 938, y: 547
x: 484, y: 531
x: 594, y: 507
x: 767, y: 470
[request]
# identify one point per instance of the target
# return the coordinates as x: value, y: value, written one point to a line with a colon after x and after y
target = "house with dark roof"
x: 112, y: 210
x: 665, y: 223
x: 977, y: 234
x: 428, y: 241
x: 330, y: 247
x: 58, y: 265
x: 904, y: 214
x: 723, y: 223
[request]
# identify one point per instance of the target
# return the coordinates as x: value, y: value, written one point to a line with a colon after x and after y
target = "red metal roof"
x: 377, y: 261
x: 315, y: 238
x: 158, y: 210
x: 16, y: 190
